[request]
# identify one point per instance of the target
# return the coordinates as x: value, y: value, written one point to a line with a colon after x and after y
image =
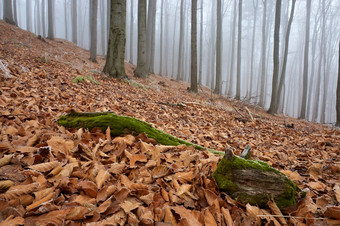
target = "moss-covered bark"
x: 122, y: 125
x: 255, y: 182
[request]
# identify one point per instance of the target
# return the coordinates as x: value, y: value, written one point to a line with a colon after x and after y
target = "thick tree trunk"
x: 93, y: 29
x: 239, y: 46
x: 141, y: 60
x: 231, y: 71
x: 151, y: 26
x: 131, y: 30
x: 218, y: 48
x: 263, y: 72
x: 121, y: 125
x: 50, y: 19
x: 273, y: 104
x: 114, y: 65
x: 8, y: 12
x: 193, y: 87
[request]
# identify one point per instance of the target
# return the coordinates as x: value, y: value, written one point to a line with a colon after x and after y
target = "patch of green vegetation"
x: 136, y: 84
x: 121, y: 125
x: 80, y: 79
x: 42, y: 59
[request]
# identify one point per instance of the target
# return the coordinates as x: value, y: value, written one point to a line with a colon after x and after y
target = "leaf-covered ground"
x: 49, y: 175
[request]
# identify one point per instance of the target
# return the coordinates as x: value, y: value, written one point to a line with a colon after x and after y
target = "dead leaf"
x: 315, y: 171
x: 333, y: 212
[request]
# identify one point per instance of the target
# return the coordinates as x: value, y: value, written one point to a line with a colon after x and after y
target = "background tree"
x: 50, y: 19
x: 239, y: 46
x: 141, y: 59
x: 93, y: 29
x: 338, y: 93
x: 8, y: 12
x: 151, y: 28
x: 28, y: 16
x: 181, y: 42
x: 305, y: 63
x: 218, y: 48
x: 114, y: 65
x: 74, y: 22
x: 273, y: 104
x: 251, y: 75
x: 193, y: 86
x: 232, y: 54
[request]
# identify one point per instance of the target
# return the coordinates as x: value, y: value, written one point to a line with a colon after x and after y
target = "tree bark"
x: 28, y: 16
x: 131, y: 30
x: 51, y: 19
x: 251, y: 85
x: 141, y: 60
x: 273, y: 104
x: 74, y: 22
x: 239, y: 46
x: 8, y: 12
x: 93, y: 29
x: 218, y: 81
x: 180, y: 50
x: 263, y: 72
x: 201, y: 46
x: 151, y: 26
x: 305, y: 63
x: 338, y: 93
x: 161, y: 40
x: 233, y: 32
x: 114, y: 65
x: 193, y: 86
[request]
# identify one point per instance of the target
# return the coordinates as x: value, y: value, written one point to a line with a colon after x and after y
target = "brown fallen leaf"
x: 191, y: 217
x: 44, y: 167
x: 102, y: 176
x: 276, y: 211
x: 5, y: 160
x: 337, y: 192
x: 130, y: 204
x: 333, y: 212
x: 11, y: 220
x: 39, y: 202
x: 227, y: 218
x: 6, y: 184
x: 315, y: 171
x: 209, y: 219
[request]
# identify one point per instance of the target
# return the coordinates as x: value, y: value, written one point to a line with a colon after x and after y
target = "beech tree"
x: 231, y: 68
x: 8, y: 12
x: 114, y: 65
x: 28, y: 15
x: 338, y: 93
x: 273, y: 104
x: 193, y: 86
x: 239, y: 44
x: 151, y: 28
x: 218, y: 48
x: 93, y: 29
x: 141, y: 58
x: 74, y: 22
x: 50, y: 19
x: 181, y: 42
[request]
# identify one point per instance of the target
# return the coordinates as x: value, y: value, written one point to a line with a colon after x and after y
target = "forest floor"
x: 52, y: 175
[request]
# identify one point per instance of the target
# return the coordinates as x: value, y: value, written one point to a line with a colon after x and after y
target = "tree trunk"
x: 51, y: 19
x: 151, y: 26
x: 273, y: 104
x: 201, y: 46
x: 161, y: 40
x: 239, y: 43
x: 218, y: 48
x: 141, y: 60
x: 251, y: 85
x: 28, y: 16
x: 284, y: 64
x: 43, y: 15
x: 263, y: 72
x: 66, y: 22
x: 15, y: 12
x: 193, y: 87
x: 74, y: 22
x: 338, y: 93
x: 233, y: 32
x: 305, y: 64
x: 131, y: 30
x: 114, y: 65
x: 93, y: 29
x: 180, y: 50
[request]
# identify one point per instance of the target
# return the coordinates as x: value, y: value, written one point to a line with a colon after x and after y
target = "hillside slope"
x: 131, y: 180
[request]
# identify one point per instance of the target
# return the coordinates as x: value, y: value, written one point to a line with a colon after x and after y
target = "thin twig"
x: 307, y: 218
x: 252, y: 119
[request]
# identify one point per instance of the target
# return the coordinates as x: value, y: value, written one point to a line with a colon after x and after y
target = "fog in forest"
x: 256, y: 45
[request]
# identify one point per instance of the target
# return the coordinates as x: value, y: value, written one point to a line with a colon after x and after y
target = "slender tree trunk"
x: 51, y: 19
x: 161, y: 41
x: 15, y: 14
x: 239, y: 46
x: 66, y: 22
x: 8, y: 12
x: 305, y: 63
x: 338, y: 93
x: 201, y: 46
x: 173, y: 44
x: 28, y: 15
x: 273, y: 104
x: 131, y: 31
x: 74, y: 22
x: 151, y: 26
x: 233, y: 32
x: 180, y: 50
x: 286, y: 47
x: 43, y: 15
x: 251, y: 85
x: 114, y: 64
x: 193, y: 86
x: 93, y: 29
x: 141, y: 60
x: 263, y: 72
x: 102, y: 27
x: 218, y: 48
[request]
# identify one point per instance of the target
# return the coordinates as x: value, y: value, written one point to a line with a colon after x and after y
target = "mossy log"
x: 255, y: 182
x: 122, y: 125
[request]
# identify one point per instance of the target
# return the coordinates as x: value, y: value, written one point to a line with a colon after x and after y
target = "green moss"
x: 80, y: 79
x: 121, y: 125
x: 227, y: 173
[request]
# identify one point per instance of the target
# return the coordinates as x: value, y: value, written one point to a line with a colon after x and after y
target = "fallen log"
x: 122, y: 125
x: 255, y: 182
